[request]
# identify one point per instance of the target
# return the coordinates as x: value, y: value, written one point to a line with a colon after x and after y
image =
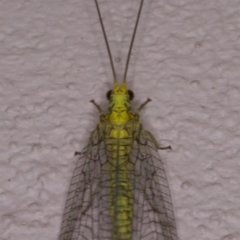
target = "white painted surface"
x: 53, y: 61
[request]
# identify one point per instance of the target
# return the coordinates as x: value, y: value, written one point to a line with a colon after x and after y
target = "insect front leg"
x: 143, y: 105
x: 97, y: 106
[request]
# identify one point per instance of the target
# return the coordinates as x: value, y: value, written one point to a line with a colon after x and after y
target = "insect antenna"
x: 132, y: 41
x: 106, y: 41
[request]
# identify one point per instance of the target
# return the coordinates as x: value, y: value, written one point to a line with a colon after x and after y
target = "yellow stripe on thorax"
x: 121, y: 198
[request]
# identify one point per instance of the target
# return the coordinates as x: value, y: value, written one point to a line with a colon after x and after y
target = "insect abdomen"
x: 121, y: 196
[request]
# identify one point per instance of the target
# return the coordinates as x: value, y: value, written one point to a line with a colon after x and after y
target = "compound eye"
x: 108, y: 95
x: 131, y: 95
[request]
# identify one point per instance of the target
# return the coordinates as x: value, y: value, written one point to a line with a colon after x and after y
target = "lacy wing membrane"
x: 78, y: 219
x: 153, y: 209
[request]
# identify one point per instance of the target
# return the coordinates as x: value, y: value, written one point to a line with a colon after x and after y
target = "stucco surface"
x: 53, y: 61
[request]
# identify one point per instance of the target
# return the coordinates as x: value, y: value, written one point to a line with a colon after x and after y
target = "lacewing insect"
x: 119, y: 189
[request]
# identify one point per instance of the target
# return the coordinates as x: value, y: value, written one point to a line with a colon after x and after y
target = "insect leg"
x: 93, y: 134
x: 143, y: 105
x: 77, y: 153
x: 97, y: 106
x: 155, y: 141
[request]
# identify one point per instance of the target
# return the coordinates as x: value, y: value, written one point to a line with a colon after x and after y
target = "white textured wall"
x: 53, y: 61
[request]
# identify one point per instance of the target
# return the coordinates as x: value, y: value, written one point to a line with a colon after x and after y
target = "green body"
x: 114, y: 192
x: 118, y: 140
x: 117, y: 192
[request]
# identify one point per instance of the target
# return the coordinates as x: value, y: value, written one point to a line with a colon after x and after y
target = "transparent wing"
x: 80, y: 214
x: 87, y: 211
x: 153, y: 210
